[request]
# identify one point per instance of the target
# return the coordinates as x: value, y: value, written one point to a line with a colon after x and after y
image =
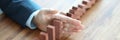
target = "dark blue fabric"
x: 18, y: 10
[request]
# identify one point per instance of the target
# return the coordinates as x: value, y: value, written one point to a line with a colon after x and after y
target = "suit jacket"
x: 18, y: 10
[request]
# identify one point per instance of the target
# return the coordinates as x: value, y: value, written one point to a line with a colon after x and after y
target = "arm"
x: 19, y: 10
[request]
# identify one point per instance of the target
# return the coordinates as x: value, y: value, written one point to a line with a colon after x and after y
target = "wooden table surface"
x: 102, y: 22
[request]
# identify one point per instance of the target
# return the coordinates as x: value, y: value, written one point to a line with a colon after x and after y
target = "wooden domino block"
x: 72, y: 11
x: 51, y: 32
x: 69, y: 14
x: 77, y: 12
x: 75, y: 16
x: 93, y: 1
x: 58, y: 26
x: 88, y: 3
x: 74, y: 8
x: 82, y: 8
x: 43, y: 36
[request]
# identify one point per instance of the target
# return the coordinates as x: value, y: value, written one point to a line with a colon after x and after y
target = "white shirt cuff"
x: 1, y: 11
x: 29, y: 22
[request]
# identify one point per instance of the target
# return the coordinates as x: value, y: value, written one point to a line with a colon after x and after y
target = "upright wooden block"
x: 69, y: 14
x: 76, y: 12
x: 43, y: 36
x: 93, y: 1
x: 51, y: 32
x: 58, y: 26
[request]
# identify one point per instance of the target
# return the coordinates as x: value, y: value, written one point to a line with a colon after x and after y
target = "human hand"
x: 44, y: 17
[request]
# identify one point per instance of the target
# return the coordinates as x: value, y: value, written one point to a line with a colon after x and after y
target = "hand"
x: 43, y: 18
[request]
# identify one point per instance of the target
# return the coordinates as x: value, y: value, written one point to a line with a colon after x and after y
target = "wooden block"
x: 93, y: 1
x: 71, y: 11
x: 80, y: 7
x: 43, y: 36
x: 76, y: 12
x: 84, y: 2
x: 83, y: 7
x: 51, y: 32
x: 89, y: 3
x: 58, y: 26
x: 74, y: 8
x: 79, y: 12
x: 68, y: 14
x: 75, y: 16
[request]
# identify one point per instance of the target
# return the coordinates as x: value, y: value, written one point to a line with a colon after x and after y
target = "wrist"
x: 43, y: 18
x: 39, y: 21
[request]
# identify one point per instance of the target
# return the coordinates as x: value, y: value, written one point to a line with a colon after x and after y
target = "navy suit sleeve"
x: 18, y: 10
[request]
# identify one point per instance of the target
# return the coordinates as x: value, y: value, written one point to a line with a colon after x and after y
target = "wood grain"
x: 102, y: 22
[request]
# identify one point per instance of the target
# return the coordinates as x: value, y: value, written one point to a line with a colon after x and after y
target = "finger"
x: 77, y: 29
x: 49, y: 11
x: 68, y: 20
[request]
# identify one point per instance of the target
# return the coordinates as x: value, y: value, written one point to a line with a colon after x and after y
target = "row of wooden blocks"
x: 54, y: 30
x: 77, y: 12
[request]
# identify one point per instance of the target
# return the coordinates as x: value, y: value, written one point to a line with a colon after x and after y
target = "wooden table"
x: 102, y: 22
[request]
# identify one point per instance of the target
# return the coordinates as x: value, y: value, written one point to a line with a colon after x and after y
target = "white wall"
x: 61, y: 5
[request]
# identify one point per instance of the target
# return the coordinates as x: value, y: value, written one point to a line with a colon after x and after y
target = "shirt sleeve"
x: 29, y: 22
